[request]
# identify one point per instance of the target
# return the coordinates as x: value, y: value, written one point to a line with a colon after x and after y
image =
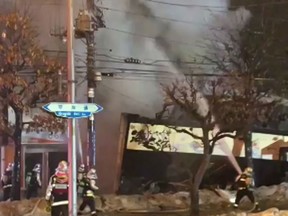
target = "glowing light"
x: 3, y: 35
x: 64, y: 39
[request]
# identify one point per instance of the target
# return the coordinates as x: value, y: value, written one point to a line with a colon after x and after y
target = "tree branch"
x: 219, y: 135
x: 186, y: 132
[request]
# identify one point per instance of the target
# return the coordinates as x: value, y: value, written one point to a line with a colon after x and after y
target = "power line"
x: 153, y: 63
x: 153, y: 17
x: 188, y: 5
x: 122, y: 62
x: 125, y: 95
x: 144, y: 60
x: 212, y: 6
x: 138, y: 70
x: 212, y: 27
x: 146, y: 36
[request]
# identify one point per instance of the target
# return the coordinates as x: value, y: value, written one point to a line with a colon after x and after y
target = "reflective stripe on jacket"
x: 57, y: 192
x: 58, y: 203
x: 7, y: 186
x: 89, y: 193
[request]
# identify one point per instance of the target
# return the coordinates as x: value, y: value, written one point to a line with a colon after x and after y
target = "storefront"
x: 44, y: 148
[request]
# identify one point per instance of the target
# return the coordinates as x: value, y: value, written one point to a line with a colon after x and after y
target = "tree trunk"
x: 195, y: 184
x: 248, y: 149
x: 16, y: 178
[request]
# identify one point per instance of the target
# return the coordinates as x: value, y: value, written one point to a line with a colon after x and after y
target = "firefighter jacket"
x: 33, y: 179
x: 57, y: 191
x: 6, y: 180
x: 80, y: 181
x: 89, y: 187
x: 244, y: 181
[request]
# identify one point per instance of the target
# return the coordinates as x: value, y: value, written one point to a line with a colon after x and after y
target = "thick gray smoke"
x: 235, y: 20
x: 176, y: 41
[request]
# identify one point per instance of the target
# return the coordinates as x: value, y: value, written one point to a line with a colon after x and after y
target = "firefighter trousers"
x: 242, y: 193
x: 6, y: 193
x: 61, y: 210
x: 90, y: 202
x: 32, y: 191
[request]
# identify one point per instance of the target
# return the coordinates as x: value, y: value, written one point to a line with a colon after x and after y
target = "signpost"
x: 72, y: 111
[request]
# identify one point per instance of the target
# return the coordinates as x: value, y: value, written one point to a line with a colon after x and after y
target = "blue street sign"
x: 73, y: 110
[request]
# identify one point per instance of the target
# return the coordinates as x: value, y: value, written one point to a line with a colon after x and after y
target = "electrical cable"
x: 214, y: 6
x: 125, y: 95
x: 144, y: 60
x: 152, y: 17
x: 176, y: 20
x: 147, y: 36
x: 134, y: 70
x: 122, y: 62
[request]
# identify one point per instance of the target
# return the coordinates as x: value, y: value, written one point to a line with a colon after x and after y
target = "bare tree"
x: 186, y: 95
x: 27, y: 77
x: 222, y: 110
x: 244, y: 56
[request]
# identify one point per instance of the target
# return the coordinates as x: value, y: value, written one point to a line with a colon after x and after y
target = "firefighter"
x: 88, y: 184
x: 6, y: 181
x: 33, y: 181
x: 244, y: 184
x: 57, y: 191
x: 81, y: 172
x: 81, y: 175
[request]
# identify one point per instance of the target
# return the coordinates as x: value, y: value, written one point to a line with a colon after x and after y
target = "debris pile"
x: 217, y: 200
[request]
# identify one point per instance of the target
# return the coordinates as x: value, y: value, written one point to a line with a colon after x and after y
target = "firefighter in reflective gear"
x: 81, y: 172
x: 244, y: 183
x: 81, y: 175
x: 6, y: 181
x: 33, y: 181
x: 57, y: 191
x: 88, y: 183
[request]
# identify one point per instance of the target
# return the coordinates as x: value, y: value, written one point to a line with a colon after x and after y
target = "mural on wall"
x: 147, y: 137
x: 151, y: 140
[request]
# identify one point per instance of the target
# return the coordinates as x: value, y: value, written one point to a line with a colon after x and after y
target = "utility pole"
x: 87, y: 23
x: 72, y: 148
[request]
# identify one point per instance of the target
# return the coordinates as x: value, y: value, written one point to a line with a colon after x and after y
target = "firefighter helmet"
x: 92, y: 174
x: 82, y: 168
x: 62, y: 167
x: 9, y: 167
x: 248, y: 170
x: 37, y: 168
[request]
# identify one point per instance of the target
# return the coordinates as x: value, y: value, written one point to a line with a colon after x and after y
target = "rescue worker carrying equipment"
x: 88, y: 183
x: 57, y: 191
x: 33, y: 181
x: 6, y: 181
x: 81, y: 175
x: 244, y: 183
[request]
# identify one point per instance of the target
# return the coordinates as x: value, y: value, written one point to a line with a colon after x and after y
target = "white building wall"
x: 129, y: 35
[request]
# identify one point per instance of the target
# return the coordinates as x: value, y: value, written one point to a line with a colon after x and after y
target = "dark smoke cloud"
x: 161, y: 40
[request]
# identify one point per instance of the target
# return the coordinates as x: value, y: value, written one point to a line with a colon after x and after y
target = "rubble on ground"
x: 268, y: 212
x: 218, y: 200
